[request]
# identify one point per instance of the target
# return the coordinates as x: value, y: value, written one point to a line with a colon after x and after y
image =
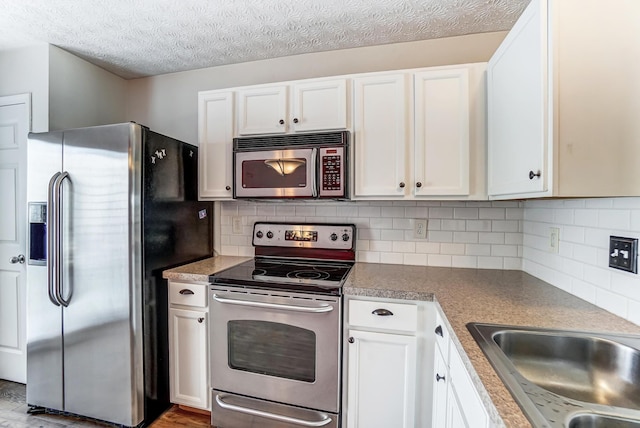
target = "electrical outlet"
x: 420, y: 228
x: 554, y: 239
x: 236, y: 225
x: 623, y: 253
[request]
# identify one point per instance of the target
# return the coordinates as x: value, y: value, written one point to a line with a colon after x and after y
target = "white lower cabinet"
x: 385, y: 360
x: 456, y: 403
x: 382, y: 378
x: 189, y: 345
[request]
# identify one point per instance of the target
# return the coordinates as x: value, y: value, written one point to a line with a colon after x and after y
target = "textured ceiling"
x: 136, y: 38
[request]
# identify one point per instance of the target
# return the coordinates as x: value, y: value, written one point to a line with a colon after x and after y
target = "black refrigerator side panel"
x: 177, y: 229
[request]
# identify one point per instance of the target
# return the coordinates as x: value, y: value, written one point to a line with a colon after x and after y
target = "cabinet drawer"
x: 183, y: 293
x: 399, y: 316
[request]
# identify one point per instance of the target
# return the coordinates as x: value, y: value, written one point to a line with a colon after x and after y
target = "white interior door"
x: 15, y: 123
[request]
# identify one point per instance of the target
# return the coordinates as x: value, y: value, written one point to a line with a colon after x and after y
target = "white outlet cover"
x: 554, y: 239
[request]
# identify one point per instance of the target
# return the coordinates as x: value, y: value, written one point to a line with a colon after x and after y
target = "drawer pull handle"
x: 200, y: 320
x: 439, y: 331
x: 382, y: 312
x: 186, y: 291
x: 439, y: 378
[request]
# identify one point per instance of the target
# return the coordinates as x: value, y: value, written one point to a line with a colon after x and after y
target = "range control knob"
x: 345, y: 237
x: 333, y: 237
x: 269, y: 234
x: 259, y: 234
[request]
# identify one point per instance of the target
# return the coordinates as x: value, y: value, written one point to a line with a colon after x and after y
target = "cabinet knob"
x: 401, y: 185
x: 351, y: 340
x: 185, y: 291
x: 439, y: 331
x: 418, y: 184
x: 382, y: 312
x: 534, y: 174
x: 228, y: 188
x: 281, y: 122
x: 200, y: 320
x: 295, y: 120
x: 439, y: 378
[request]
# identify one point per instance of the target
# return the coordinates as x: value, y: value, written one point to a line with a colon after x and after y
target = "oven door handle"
x: 273, y: 416
x: 308, y: 309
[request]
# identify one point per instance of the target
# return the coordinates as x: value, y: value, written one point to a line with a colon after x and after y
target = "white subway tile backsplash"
x: 442, y: 260
x: 581, y: 266
x: 453, y: 225
x: 440, y: 212
x: 465, y: 237
x: 465, y: 213
x: 483, y: 234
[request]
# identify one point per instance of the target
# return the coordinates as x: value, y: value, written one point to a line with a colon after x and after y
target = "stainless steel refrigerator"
x: 109, y: 208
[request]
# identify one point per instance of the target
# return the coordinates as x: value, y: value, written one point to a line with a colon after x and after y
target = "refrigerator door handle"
x: 51, y: 256
x: 57, y: 190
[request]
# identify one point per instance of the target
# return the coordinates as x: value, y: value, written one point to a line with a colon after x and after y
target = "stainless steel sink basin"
x: 566, y: 378
x: 585, y: 368
x: 600, y: 421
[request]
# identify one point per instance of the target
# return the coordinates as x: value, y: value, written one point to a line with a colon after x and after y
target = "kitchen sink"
x: 601, y: 421
x: 566, y: 378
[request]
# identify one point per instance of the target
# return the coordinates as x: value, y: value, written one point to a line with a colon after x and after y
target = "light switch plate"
x: 623, y: 253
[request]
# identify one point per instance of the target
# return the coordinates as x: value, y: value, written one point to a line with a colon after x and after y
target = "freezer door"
x: 44, y: 326
x: 103, y: 367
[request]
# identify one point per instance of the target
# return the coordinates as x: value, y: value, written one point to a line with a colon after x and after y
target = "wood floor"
x: 13, y: 414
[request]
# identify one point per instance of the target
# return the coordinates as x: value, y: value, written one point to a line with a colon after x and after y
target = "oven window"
x: 274, y: 173
x: 272, y: 349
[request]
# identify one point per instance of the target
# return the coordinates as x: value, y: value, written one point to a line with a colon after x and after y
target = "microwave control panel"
x: 332, y: 167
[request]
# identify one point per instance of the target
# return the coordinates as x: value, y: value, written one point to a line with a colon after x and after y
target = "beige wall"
x: 168, y: 103
x: 82, y: 94
x: 26, y: 70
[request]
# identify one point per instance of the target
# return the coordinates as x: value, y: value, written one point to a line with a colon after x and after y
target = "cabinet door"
x: 215, y: 140
x: 455, y: 416
x: 319, y: 105
x: 440, y: 391
x: 381, y: 135
x: 381, y: 380
x: 262, y: 110
x: 518, y: 98
x: 188, y: 361
x: 441, y: 132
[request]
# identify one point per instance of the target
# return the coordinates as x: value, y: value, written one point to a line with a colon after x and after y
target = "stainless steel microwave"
x: 303, y: 166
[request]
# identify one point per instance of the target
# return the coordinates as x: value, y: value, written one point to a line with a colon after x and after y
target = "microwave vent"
x: 291, y: 140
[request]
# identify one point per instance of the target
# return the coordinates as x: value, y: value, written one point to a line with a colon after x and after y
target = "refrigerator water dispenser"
x: 37, y: 233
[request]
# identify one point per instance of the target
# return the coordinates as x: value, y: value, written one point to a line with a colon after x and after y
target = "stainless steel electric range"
x: 276, y: 328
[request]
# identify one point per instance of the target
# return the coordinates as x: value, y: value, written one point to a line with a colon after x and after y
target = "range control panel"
x: 328, y: 236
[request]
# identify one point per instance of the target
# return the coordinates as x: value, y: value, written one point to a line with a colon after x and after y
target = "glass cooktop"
x: 325, y: 277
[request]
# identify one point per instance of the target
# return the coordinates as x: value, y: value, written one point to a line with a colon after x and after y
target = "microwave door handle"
x: 273, y: 416
x: 308, y: 309
x: 315, y: 171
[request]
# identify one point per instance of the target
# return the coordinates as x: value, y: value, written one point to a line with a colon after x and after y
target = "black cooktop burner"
x: 324, y: 277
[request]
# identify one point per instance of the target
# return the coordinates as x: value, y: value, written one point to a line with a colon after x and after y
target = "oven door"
x: 276, y: 174
x: 275, y: 347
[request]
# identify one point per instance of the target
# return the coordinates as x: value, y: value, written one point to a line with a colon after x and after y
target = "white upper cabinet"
x: 319, y: 105
x: 420, y: 134
x: 562, y: 103
x: 381, y: 142
x: 262, y: 110
x: 310, y: 105
x: 441, y: 152
x: 215, y: 140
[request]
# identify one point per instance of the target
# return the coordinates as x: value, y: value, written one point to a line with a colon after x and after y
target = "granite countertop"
x: 200, y: 271
x: 488, y: 296
x: 464, y: 295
